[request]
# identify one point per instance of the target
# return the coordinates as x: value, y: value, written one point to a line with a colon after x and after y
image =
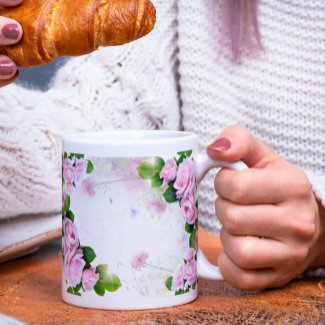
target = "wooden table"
x: 30, y: 290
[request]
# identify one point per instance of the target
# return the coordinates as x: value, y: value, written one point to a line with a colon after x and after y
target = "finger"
x: 253, y: 220
x: 253, y: 186
x: 274, y: 184
x: 237, y: 143
x: 8, y: 69
x: 10, y: 80
x: 10, y: 3
x: 250, y: 252
x: 247, y: 279
x: 10, y: 31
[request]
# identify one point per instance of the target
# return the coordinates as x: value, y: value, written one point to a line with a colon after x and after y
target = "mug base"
x: 129, y: 303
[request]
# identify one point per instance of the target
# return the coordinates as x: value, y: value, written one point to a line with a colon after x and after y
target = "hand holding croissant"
x: 56, y: 28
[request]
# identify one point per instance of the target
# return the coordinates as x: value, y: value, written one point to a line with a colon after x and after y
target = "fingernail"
x: 6, y: 68
x: 221, y: 144
x: 10, y: 31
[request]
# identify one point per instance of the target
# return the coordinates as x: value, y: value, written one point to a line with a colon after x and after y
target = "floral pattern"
x: 177, y: 176
x: 78, y: 272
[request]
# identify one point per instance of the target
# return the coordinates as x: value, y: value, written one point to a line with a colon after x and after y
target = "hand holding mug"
x: 272, y: 229
x: 10, y: 33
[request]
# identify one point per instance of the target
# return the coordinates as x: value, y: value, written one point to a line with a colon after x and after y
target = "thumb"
x: 237, y: 143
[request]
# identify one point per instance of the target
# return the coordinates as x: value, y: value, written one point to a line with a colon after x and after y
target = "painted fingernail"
x: 6, y: 68
x: 221, y: 144
x: 10, y: 31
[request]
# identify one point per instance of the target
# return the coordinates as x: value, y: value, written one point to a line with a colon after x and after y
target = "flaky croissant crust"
x: 56, y: 28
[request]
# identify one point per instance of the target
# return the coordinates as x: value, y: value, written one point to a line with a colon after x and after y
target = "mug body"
x: 129, y: 219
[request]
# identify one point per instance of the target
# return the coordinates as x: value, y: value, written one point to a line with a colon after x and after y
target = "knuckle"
x: 231, y: 220
x: 242, y: 256
x: 244, y: 281
x: 299, y: 255
x: 304, y: 223
x: 239, y: 190
x: 301, y: 185
x: 306, y: 230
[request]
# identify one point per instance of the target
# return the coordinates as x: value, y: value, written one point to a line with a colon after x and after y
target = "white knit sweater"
x: 174, y: 78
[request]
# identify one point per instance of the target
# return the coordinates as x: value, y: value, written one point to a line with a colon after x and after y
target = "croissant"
x: 56, y: 28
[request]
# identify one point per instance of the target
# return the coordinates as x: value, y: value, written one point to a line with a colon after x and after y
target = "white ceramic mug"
x: 130, y: 219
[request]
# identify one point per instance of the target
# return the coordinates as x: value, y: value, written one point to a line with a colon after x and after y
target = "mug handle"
x: 204, y: 164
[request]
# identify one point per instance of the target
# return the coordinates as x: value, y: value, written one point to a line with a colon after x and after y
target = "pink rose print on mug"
x: 157, y: 206
x: 169, y: 171
x: 79, y: 274
x: 177, y: 178
x: 74, y: 169
x: 89, y: 278
x: 139, y: 261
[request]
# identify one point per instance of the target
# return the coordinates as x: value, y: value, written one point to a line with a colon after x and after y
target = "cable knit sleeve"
x: 127, y: 87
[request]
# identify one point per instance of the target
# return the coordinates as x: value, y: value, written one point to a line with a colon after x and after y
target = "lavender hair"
x: 240, y: 22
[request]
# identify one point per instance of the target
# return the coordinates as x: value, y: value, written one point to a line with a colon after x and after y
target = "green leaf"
x: 192, y: 238
x: 146, y: 170
x: 66, y: 205
x: 188, y: 228
x: 111, y: 282
x: 70, y: 215
x: 170, y: 194
x: 70, y: 290
x: 179, y: 292
x: 197, y: 224
x: 101, y: 269
x: 99, y: 288
x: 159, y: 164
x: 77, y: 287
x: 89, y: 254
x: 156, y: 181
x: 168, y: 283
x: 65, y: 155
x: 187, y: 153
x: 90, y: 167
x: 194, y: 286
x: 77, y: 155
x: 197, y: 203
x: 62, y: 233
x: 180, y: 159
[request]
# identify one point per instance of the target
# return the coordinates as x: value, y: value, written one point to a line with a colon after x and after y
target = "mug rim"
x: 125, y: 143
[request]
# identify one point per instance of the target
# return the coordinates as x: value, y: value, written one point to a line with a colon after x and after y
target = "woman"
x: 202, y: 69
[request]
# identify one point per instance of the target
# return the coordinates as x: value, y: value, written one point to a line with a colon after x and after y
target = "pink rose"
x: 63, y: 198
x: 169, y: 171
x: 157, y: 206
x: 133, y: 164
x: 89, y: 278
x: 68, y: 171
x: 190, y: 254
x: 196, y: 240
x: 185, y: 179
x: 189, y: 212
x: 190, y: 274
x: 178, y: 278
x: 139, y: 261
x: 68, y: 187
x: 80, y: 169
x: 70, y: 238
x: 88, y: 187
x: 73, y: 266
